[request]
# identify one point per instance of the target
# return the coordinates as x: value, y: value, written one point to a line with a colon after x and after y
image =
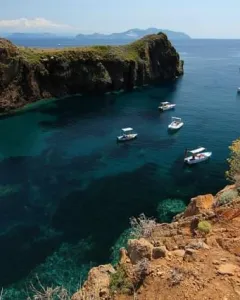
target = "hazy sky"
x: 203, y: 18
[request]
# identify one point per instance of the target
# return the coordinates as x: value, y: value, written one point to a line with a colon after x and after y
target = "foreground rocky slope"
x: 27, y: 75
x: 197, y: 256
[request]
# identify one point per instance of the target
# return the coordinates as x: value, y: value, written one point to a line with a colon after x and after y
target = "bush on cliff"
x: 227, y: 197
x: 233, y: 174
x: 119, y: 281
x: 204, y: 227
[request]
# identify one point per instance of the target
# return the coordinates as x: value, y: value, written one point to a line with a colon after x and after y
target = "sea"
x: 68, y: 189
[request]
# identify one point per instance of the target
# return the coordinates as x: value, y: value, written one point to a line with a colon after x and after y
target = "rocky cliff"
x: 27, y: 75
x: 196, y: 257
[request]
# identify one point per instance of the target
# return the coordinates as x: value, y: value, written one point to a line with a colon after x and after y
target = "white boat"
x: 166, y: 106
x: 196, y: 156
x: 127, y: 135
x: 238, y: 90
x: 176, y: 124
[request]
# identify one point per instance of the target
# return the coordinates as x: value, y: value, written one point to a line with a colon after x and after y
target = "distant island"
x: 127, y: 36
x: 134, y: 34
x: 29, y: 35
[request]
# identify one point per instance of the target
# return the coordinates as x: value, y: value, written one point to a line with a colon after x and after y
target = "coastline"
x: 196, y: 251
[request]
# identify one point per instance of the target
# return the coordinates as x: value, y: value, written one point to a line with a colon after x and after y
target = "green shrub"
x: 227, y: 197
x: 234, y: 162
x: 204, y: 227
x: 119, y: 281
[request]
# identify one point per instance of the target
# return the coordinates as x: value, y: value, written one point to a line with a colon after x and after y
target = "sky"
x: 199, y: 19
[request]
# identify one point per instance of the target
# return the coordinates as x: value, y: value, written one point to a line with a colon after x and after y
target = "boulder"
x: 139, y: 249
x: 158, y: 252
x: 199, y: 205
x: 179, y: 252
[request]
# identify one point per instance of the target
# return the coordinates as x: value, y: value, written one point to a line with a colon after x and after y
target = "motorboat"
x: 196, y: 155
x: 128, y: 134
x: 176, y: 124
x: 166, y: 106
x: 238, y: 90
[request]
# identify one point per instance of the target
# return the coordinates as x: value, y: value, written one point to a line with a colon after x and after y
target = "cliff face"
x: 195, y: 257
x: 27, y: 75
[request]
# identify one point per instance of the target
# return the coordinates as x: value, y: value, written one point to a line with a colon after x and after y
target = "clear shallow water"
x: 68, y: 189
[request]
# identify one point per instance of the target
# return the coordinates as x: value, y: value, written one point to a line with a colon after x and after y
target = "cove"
x: 68, y: 189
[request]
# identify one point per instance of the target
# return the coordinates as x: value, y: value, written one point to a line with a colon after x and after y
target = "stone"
x: 223, y: 259
x: 198, y: 244
x: 199, y: 204
x: 227, y: 269
x: 139, y: 249
x: 123, y: 256
x: 158, y: 252
x: 190, y: 251
x: 190, y: 255
x: 179, y: 252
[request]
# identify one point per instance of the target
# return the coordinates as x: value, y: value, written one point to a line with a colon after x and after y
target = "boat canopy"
x: 200, y: 149
x: 127, y: 129
x: 176, y: 119
x: 164, y: 103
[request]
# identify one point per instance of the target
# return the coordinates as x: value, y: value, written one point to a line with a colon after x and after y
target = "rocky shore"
x: 28, y: 75
x: 197, y: 256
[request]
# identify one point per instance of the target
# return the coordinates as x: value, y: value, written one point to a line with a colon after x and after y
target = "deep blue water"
x: 68, y: 189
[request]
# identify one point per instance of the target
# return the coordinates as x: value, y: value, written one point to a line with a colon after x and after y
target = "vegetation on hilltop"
x: 132, y: 51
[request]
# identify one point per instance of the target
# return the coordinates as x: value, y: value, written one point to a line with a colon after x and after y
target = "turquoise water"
x: 68, y: 189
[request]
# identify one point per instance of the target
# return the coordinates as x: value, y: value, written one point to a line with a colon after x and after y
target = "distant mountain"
x: 133, y: 34
x: 22, y: 35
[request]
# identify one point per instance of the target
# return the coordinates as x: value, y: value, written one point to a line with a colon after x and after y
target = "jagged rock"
x: 97, y: 284
x: 158, y: 252
x: 139, y: 249
x: 199, y: 204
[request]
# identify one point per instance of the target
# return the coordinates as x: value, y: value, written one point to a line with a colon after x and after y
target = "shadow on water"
x: 163, y: 91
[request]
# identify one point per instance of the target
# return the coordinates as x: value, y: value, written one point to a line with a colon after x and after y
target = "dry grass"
x: 48, y: 293
x: 142, y: 226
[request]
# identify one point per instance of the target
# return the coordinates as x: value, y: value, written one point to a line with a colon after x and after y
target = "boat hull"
x: 127, y: 138
x: 172, y: 106
x: 173, y: 126
x: 198, y: 158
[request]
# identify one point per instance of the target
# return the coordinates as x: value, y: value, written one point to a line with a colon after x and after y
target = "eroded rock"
x: 158, y: 252
x: 139, y: 249
x: 199, y: 204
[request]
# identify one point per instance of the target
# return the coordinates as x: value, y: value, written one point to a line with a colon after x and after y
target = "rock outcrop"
x: 180, y: 261
x: 97, y: 285
x: 27, y: 75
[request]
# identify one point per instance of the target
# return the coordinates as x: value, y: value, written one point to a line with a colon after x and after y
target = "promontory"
x: 28, y: 75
